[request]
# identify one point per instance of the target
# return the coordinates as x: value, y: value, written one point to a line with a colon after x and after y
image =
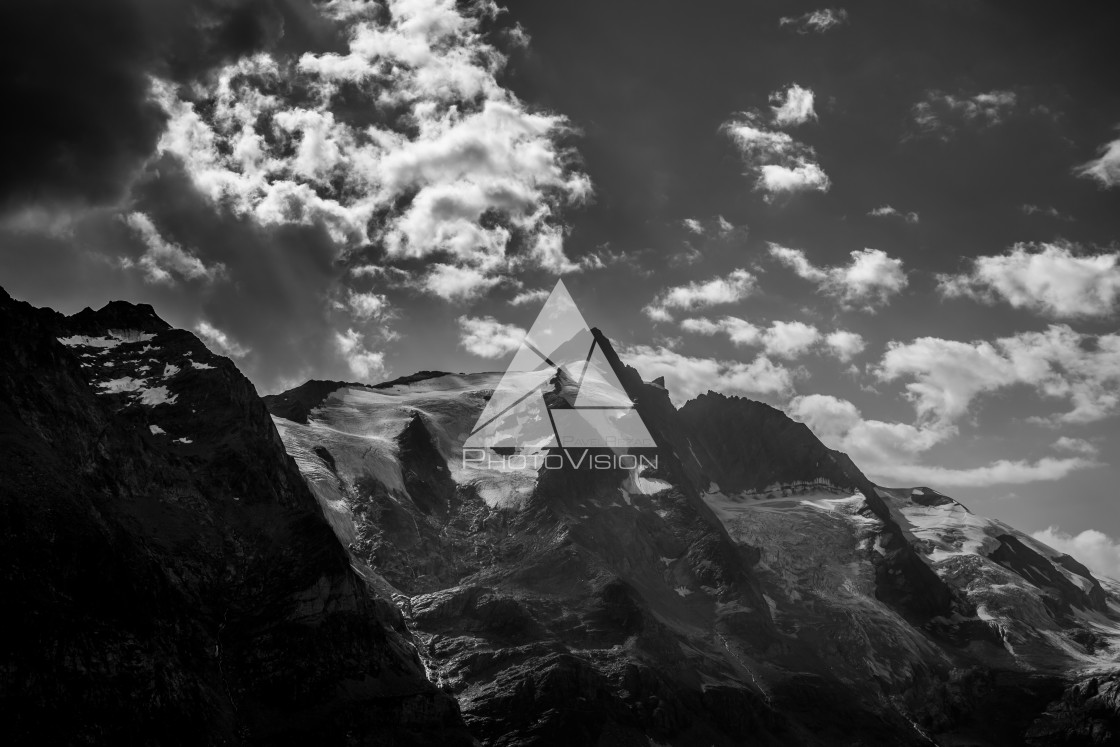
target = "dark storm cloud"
x: 79, y: 121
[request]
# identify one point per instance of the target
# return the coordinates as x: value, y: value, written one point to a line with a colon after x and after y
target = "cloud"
x: 942, y: 114
x: 164, y: 261
x: 1105, y: 169
x: 1099, y: 552
x: 365, y: 306
x: 219, y: 341
x: 794, y: 106
x: 453, y: 283
x: 782, y: 164
x: 687, y: 376
x: 1001, y: 472
x: 535, y: 295
x: 1052, y: 279
x: 363, y: 363
x: 818, y: 21
x: 1076, y: 446
x: 886, y: 211
x: 1049, y: 211
x: 736, y: 286
x: 946, y: 376
x: 693, y: 225
x: 788, y: 340
x: 86, y: 127
x: 486, y: 337
x: 446, y: 165
x: 845, y: 345
x: 888, y: 451
x: 869, y: 280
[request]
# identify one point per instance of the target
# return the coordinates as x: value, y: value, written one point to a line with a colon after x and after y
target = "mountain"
x: 185, y: 562
x: 168, y: 578
x: 755, y: 587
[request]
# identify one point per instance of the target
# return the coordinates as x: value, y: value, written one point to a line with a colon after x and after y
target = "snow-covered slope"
x: 766, y: 561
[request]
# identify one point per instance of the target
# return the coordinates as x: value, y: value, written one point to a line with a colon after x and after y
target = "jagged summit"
x: 337, y: 570
x: 750, y: 555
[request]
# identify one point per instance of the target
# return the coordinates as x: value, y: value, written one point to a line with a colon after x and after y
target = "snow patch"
x: 156, y: 430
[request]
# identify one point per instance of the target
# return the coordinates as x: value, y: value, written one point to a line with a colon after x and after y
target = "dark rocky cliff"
x: 168, y: 577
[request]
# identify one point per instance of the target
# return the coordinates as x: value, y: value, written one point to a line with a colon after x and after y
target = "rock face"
x: 168, y: 578
x: 182, y: 566
x: 751, y: 587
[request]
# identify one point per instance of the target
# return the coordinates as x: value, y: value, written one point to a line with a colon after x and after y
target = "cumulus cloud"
x: 220, y: 342
x: 788, y: 340
x: 486, y: 337
x: 869, y: 280
x: 816, y: 21
x: 687, y: 376
x: 793, y: 106
x: 942, y: 114
x: 1105, y: 169
x: 845, y: 345
x: 693, y: 226
x: 946, y: 376
x: 162, y: 260
x: 737, y: 285
x: 535, y: 295
x: 886, y: 211
x: 451, y: 165
x: 1053, y: 279
x: 888, y: 452
x: 1099, y: 552
x: 781, y: 164
x: 365, y: 306
x: 363, y: 363
x: 1076, y: 446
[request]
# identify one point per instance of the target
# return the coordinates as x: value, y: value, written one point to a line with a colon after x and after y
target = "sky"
x: 896, y: 221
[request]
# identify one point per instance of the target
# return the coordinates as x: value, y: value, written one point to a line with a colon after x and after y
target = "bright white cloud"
x: 1053, y: 279
x: 693, y: 226
x: 164, y: 261
x: 457, y: 283
x: 366, y: 306
x: 886, y: 211
x: 790, y: 340
x: 486, y: 337
x: 737, y: 285
x: 818, y: 21
x: 946, y: 376
x: 869, y: 280
x: 363, y: 363
x: 535, y: 295
x: 219, y: 341
x: 782, y: 164
x: 845, y: 345
x: 687, y: 376
x: 888, y: 451
x: 1096, y: 550
x: 454, y: 164
x: 793, y: 106
x: 1105, y: 169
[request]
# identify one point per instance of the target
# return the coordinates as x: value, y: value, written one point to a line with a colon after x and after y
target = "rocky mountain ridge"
x: 193, y: 565
x: 768, y: 590
x: 169, y: 577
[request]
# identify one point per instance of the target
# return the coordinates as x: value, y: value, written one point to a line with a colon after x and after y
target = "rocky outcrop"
x: 168, y: 577
x: 1087, y: 713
